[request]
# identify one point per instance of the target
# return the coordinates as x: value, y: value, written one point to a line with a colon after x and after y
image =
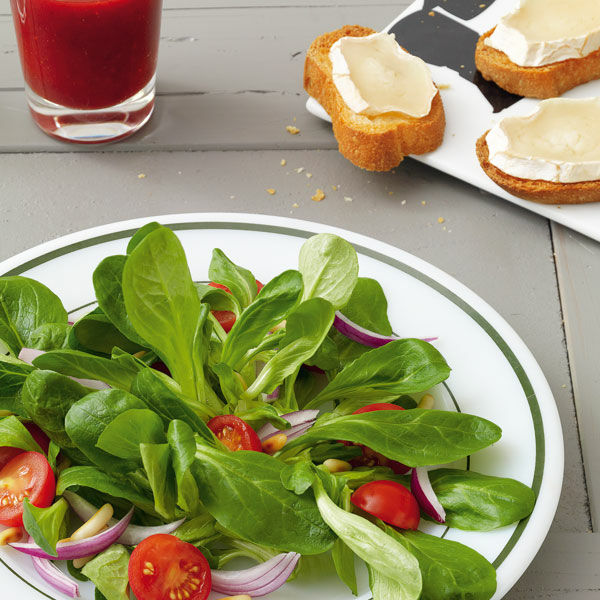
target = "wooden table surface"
x: 229, y: 81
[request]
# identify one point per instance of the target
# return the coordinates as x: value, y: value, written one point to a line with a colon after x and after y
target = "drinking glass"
x: 89, y: 65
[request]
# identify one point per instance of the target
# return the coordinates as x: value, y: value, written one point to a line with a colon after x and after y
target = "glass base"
x: 93, y: 126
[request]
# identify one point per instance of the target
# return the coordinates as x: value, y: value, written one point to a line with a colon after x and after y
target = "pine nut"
x: 78, y: 563
x: 275, y: 443
x: 95, y: 524
x: 333, y: 465
x: 10, y: 535
x: 427, y: 401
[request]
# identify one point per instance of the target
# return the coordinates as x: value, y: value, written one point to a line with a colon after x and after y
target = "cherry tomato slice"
x: 162, y: 567
x: 389, y: 501
x: 27, y: 475
x: 369, y: 457
x: 225, y: 317
x: 235, y: 433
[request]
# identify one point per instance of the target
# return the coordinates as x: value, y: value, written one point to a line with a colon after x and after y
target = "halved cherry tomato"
x: 369, y: 457
x: 7, y: 453
x: 162, y: 567
x: 235, y: 433
x: 389, y: 501
x: 225, y: 317
x: 27, y: 475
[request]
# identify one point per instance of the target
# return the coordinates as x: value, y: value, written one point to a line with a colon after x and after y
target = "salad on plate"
x: 181, y: 425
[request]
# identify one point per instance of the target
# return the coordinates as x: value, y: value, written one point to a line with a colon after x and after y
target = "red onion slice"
x: 28, y: 355
x: 298, y: 417
x: 133, y: 535
x: 364, y: 336
x: 258, y: 580
x: 86, y: 547
x: 53, y: 576
x: 423, y: 492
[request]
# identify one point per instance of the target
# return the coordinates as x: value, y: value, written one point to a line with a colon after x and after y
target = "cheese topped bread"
x: 550, y: 156
x: 381, y: 99
x: 543, y: 47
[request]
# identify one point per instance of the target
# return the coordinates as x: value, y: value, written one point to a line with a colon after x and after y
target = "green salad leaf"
x: 86, y: 366
x: 449, y: 569
x: 400, y: 367
x: 394, y: 568
x: 416, y: 437
x: 163, y: 305
x: 478, y: 502
x: 47, y: 397
x: 25, y: 305
x: 274, y: 303
x: 13, y: 373
x: 45, y: 525
x: 109, y: 572
x: 243, y: 492
x: 240, y: 281
x: 329, y: 267
x: 306, y: 328
x: 13, y: 433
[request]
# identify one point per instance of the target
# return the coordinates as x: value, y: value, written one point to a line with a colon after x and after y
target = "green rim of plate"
x: 432, y: 283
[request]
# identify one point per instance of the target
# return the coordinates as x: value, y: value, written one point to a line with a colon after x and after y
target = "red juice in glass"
x: 89, y: 65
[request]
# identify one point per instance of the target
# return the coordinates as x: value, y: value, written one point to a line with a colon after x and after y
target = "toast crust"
x: 547, y: 81
x: 377, y: 143
x: 544, y: 192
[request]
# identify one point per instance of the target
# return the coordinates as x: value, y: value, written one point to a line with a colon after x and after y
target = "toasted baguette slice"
x: 544, y: 192
x: 376, y: 143
x: 548, y: 81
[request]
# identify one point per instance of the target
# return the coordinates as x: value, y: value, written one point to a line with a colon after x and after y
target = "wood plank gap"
x: 578, y: 291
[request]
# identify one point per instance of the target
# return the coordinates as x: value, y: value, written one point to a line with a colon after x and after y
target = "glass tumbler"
x: 89, y: 65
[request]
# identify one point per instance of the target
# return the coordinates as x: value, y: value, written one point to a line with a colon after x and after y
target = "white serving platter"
x: 444, y: 33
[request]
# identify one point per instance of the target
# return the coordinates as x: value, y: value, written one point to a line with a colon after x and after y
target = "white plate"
x: 493, y: 374
x: 468, y: 113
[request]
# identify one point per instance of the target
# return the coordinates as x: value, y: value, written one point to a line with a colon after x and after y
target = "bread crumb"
x: 295, y: 205
x: 347, y: 199
x: 299, y: 169
x: 141, y: 175
x: 403, y: 202
x: 309, y: 175
x: 271, y: 191
x: 390, y: 193
x: 334, y: 188
x: 462, y: 66
x: 443, y: 86
x: 232, y: 197
x: 482, y: 6
x: 283, y: 162
x: 441, y: 219
x: 423, y: 202
x: 291, y: 129
x: 319, y: 195
x: 431, y: 13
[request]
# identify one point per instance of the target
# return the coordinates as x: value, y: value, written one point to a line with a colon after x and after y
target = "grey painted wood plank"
x: 228, y: 49
x: 239, y: 121
x: 567, y: 566
x: 578, y: 268
x: 502, y: 253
